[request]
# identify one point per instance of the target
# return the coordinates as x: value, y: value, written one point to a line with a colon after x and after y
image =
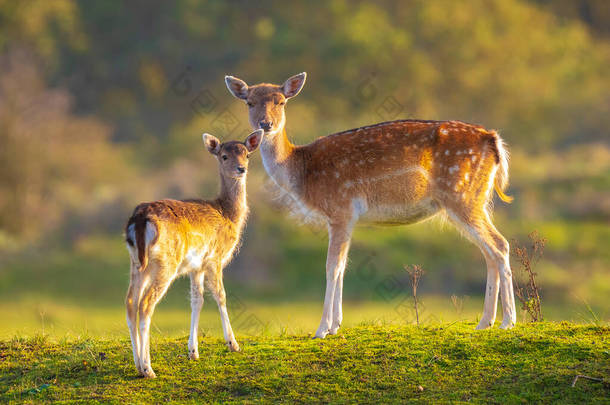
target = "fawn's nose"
x: 266, y: 125
x: 241, y: 169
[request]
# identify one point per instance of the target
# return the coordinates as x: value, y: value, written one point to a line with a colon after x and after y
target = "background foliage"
x: 102, y: 105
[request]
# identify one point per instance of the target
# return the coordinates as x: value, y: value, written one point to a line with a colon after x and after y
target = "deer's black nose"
x: 241, y: 169
x: 266, y: 125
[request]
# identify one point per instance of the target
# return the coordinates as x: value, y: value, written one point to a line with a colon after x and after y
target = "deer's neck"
x: 232, y: 199
x: 280, y: 161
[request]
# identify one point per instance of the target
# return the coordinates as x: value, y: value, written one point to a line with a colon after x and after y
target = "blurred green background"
x: 102, y: 105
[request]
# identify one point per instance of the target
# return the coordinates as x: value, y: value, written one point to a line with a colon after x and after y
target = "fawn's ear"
x: 293, y: 85
x: 212, y: 143
x: 237, y: 87
x: 254, y: 140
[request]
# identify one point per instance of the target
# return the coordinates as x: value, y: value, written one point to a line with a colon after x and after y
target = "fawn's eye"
x: 224, y: 157
x: 248, y: 156
x: 250, y: 104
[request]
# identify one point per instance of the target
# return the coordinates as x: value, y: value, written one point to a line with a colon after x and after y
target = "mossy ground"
x: 364, y: 364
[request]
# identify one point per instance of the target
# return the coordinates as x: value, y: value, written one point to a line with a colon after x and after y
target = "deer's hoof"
x: 148, y: 373
x: 484, y: 324
x: 507, y: 325
x: 320, y: 334
x: 194, y: 355
x: 233, y: 346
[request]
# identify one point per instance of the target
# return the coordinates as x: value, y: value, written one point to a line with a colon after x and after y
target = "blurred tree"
x: 51, y: 162
x: 513, y: 65
x: 46, y: 26
x: 594, y: 13
x: 507, y: 64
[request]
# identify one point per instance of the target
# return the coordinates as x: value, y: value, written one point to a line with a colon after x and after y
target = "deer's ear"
x: 237, y: 87
x: 293, y: 85
x: 254, y: 140
x: 211, y: 143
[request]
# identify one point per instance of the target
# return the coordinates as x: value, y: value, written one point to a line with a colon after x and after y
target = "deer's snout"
x: 241, y: 169
x: 266, y: 125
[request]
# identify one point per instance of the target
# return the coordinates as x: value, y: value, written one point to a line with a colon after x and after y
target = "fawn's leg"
x: 148, y: 302
x: 196, y: 304
x: 218, y: 291
x: 131, y: 306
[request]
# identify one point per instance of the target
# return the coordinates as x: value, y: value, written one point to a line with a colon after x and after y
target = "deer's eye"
x: 248, y: 156
x: 224, y: 157
x: 250, y: 104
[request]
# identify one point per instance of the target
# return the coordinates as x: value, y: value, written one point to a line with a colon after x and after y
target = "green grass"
x: 35, y: 315
x: 363, y: 364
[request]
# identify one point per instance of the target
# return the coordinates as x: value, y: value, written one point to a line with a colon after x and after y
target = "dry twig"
x: 586, y: 377
x: 529, y: 294
x: 415, y: 274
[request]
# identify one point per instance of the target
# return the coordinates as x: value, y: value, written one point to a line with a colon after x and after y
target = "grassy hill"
x: 364, y: 364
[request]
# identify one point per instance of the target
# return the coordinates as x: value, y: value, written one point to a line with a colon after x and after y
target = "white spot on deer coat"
x: 193, y: 259
x: 151, y: 232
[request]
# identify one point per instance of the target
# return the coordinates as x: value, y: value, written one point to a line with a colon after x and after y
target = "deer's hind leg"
x: 157, y: 281
x: 196, y: 304
x: 491, y: 292
x: 131, y: 305
x: 478, y: 227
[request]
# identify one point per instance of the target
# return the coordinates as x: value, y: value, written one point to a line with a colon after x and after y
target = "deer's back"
x: 188, y: 232
x: 395, y: 171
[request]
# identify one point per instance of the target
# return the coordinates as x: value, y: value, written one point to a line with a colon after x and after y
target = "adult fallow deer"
x: 393, y: 172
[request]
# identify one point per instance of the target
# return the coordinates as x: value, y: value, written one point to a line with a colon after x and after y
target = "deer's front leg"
x: 338, y: 301
x: 218, y: 290
x: 338, y: 247
x: 196, y: 304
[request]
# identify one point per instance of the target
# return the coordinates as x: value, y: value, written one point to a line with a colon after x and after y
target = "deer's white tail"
x: 141, y: 233
x: 501, y: 180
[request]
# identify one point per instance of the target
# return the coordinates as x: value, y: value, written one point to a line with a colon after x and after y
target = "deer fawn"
x: 169, y: 238
x: 397, y: 172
